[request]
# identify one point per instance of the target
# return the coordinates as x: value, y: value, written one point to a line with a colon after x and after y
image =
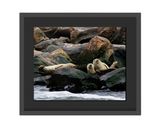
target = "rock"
x: 119, y: 47
x: 37, y: 61
x: 58, y: 56
x: 96, y: 48
x: 66, y: 76
x: 120, y: 56
x: 108, y: 32
x: 80, y: 46
x: 37, y: 53
x: 73, y: 80
x: 116, y: 79
x: 39, y: 35
x: 41, y: 80
x: 85, y: 35
x: 51, y: 48
x: 117, y: 35
x: 56, y: 32
x: 43, y: 45
x: 57, y: 42
x: 74, y: 49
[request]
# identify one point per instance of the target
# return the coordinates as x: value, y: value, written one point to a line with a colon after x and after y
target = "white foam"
x: 44, y: 94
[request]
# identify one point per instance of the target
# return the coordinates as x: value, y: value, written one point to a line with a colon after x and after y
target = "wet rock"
x: 73, y: 80
x: 41, y: 80
x: 116, y: 79
x: 66, y: 76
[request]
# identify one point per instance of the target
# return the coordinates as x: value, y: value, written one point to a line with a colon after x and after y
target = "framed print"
x: 80, y: 64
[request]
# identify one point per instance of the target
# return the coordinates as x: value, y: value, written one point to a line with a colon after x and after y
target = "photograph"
x: 79, y: 63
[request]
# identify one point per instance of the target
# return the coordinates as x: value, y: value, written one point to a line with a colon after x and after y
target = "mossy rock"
x: 59, y: 56
x: 115, y: 78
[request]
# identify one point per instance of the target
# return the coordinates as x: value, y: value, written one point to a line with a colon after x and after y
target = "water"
x: 42, y: 93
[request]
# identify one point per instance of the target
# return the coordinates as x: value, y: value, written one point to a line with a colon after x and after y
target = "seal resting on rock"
x: 90, y: 68
x: 51, y: 68
x: 99, y: 65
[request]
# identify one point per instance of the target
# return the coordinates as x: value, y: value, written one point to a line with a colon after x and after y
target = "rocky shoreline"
x: 61, y: 56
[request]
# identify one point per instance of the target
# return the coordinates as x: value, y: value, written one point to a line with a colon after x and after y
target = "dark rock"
x: 66, y: 76
x: 38, y: 61
x: 108, y: 32
x: 56, y: 32
x: 73, y: 80
x: 56, y: 42
x: 85, y: 35
x: 120, y: 56
x: 117, y: 35
x: 41, y: 80
x: 116, y: 79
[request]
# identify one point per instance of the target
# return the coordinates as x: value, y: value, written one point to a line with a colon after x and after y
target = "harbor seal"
x: 90, y: 68
x: 99, y: 65
x: 51, y: 68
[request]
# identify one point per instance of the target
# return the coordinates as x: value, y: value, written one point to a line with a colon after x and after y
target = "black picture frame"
x: 132, y: 106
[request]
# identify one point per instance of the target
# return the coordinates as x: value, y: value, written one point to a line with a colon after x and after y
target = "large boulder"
x: 98, y: 47
x: 38, y: 61
x: 56, y: 42
x: 58, y: 56
x: 117, y: 35
x: 84, y: 34
x: 116, y: 79
x: 73, y: 80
